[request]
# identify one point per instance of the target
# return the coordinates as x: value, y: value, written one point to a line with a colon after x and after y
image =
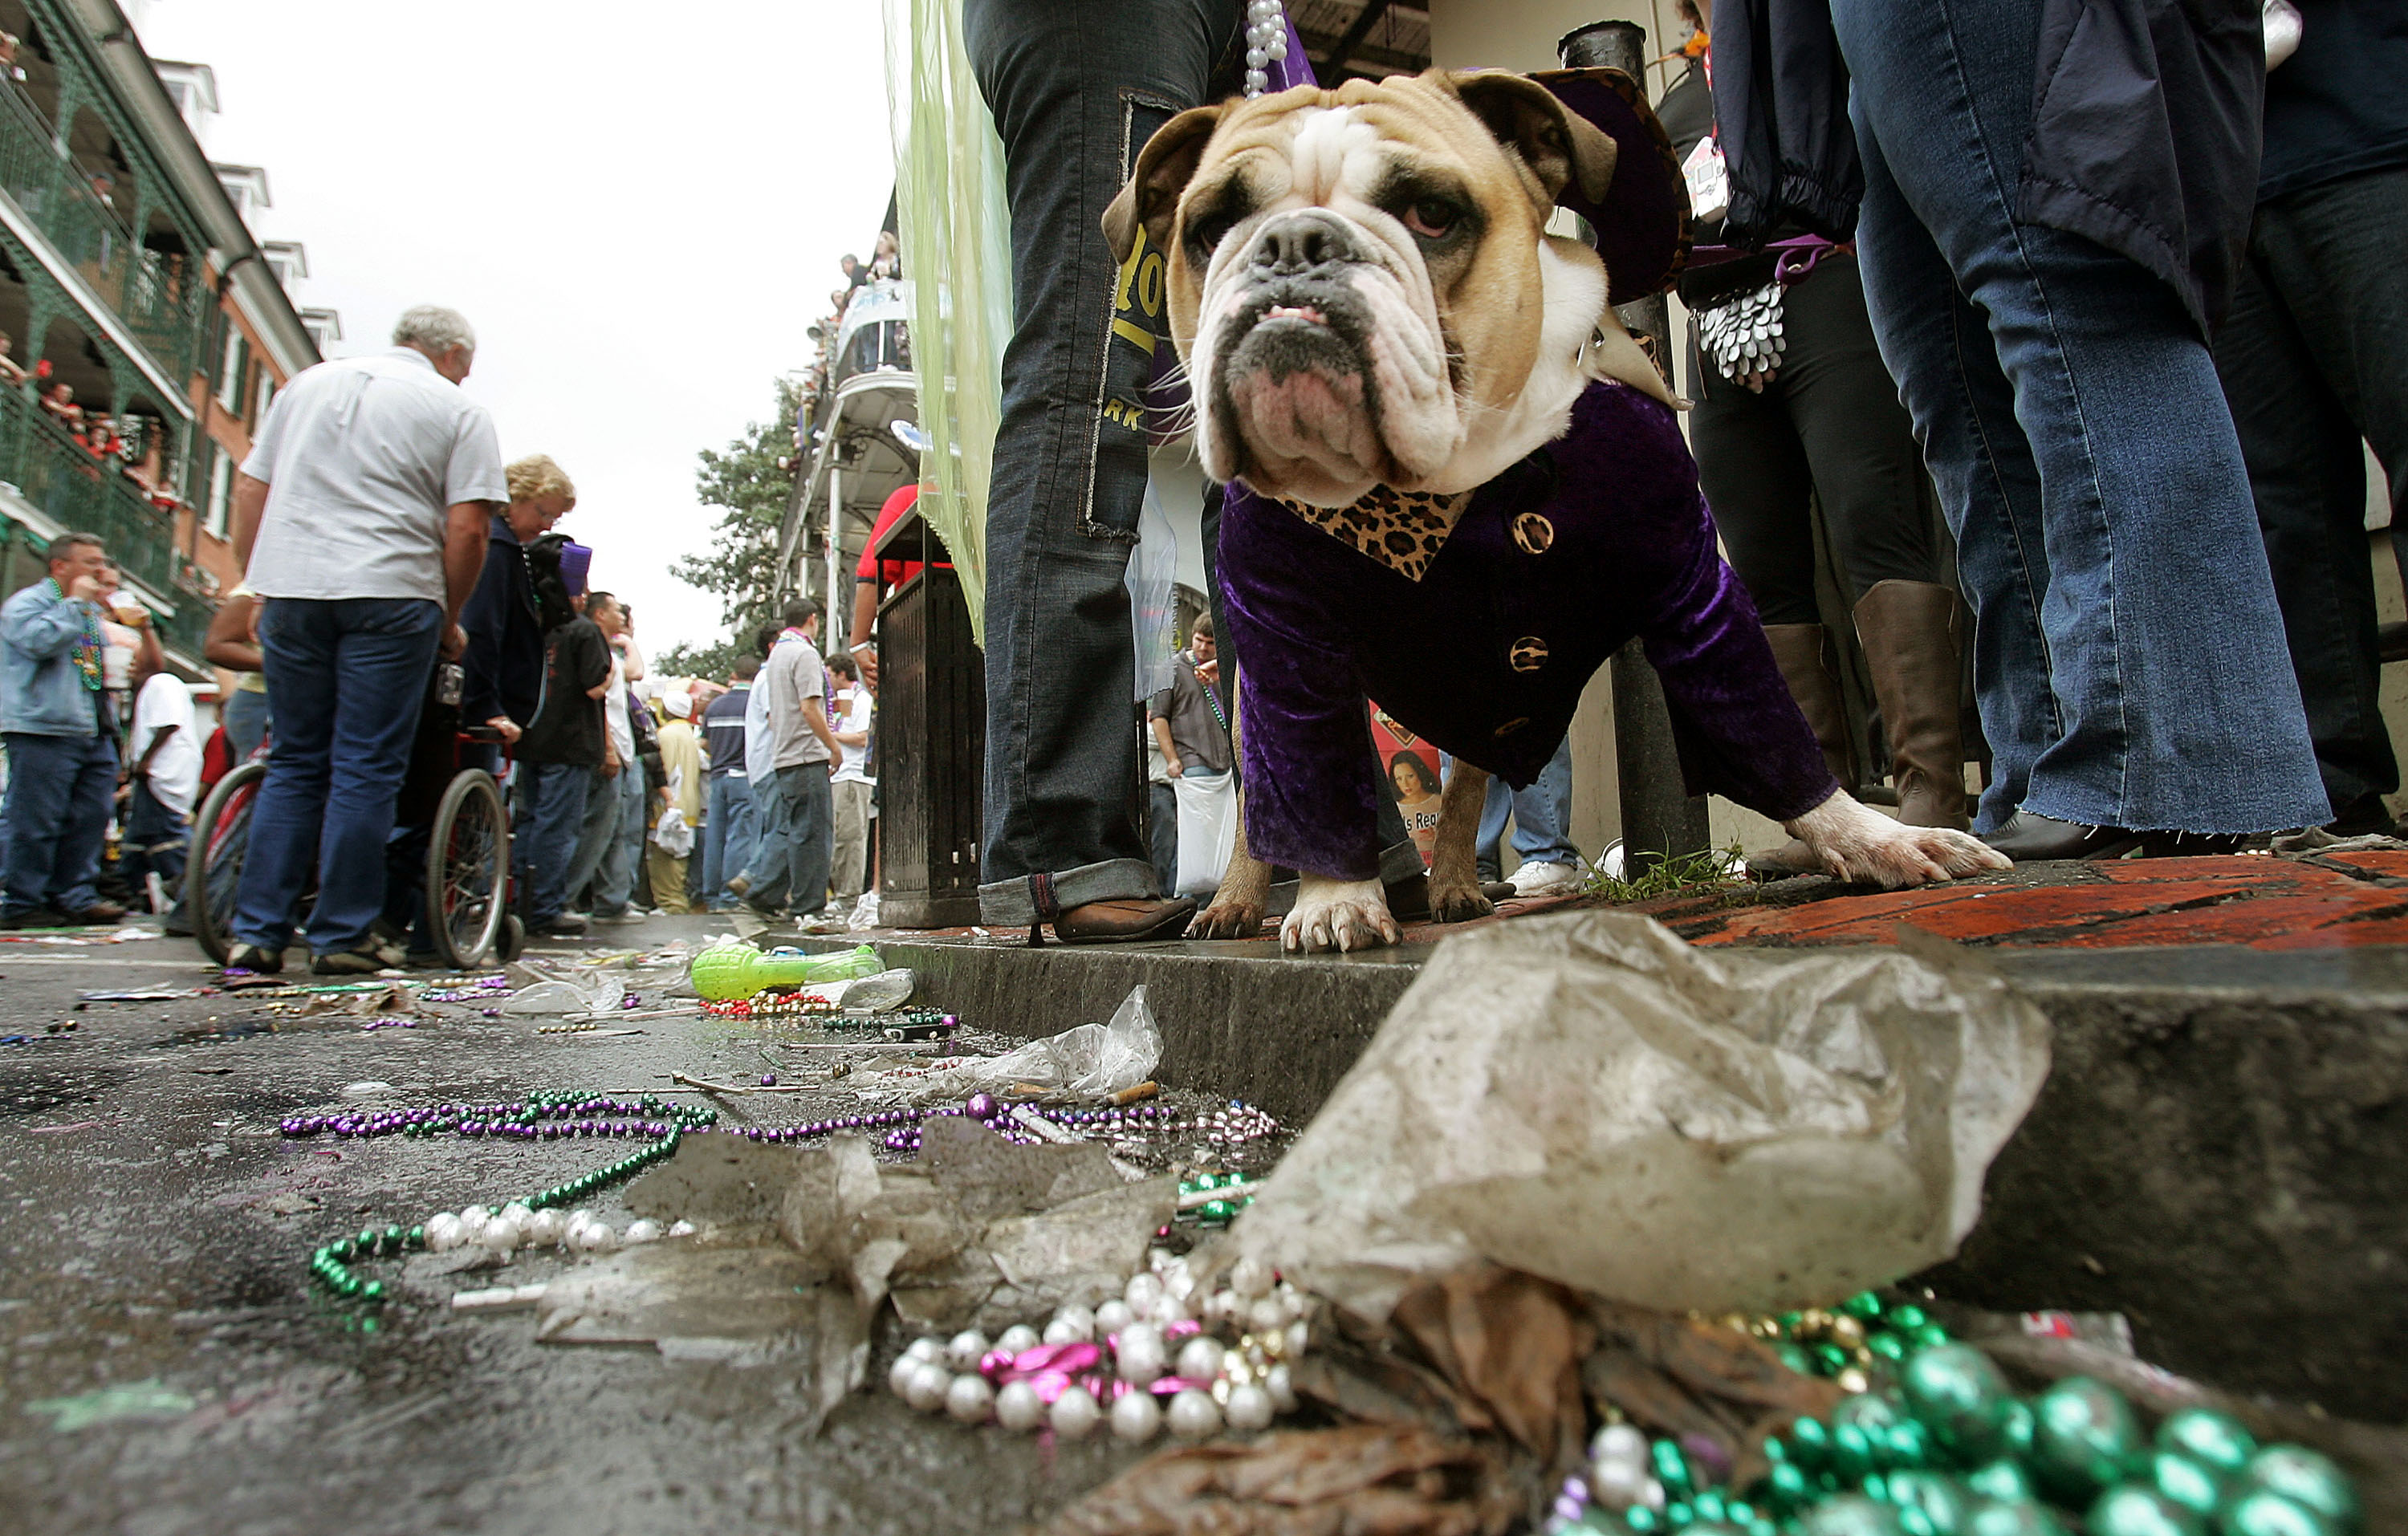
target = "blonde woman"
x: 503, y: 665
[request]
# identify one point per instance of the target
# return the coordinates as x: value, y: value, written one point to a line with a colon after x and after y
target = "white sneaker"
x: 1546, y: 880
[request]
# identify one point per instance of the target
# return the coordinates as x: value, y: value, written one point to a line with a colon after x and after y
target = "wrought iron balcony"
x: 159, y: 297
x: 77, y: 490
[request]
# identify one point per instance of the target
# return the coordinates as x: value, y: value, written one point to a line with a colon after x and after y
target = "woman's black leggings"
x: 1829, y: 422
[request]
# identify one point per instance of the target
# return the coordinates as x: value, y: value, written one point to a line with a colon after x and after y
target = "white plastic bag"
x: 1208, y: 829
x: 594, y: 994
x: 1588, y: 1098
x: 1153, y: 571
x: 1091, y: 1061
x: 675, y: 838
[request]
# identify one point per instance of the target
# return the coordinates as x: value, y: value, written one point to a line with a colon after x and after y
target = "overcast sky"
x: 640, y: 211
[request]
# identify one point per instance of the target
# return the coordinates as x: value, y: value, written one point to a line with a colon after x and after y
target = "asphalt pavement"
x: 167, y: 1367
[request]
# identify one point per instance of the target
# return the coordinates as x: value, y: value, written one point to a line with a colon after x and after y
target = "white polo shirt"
x: 361, y: 458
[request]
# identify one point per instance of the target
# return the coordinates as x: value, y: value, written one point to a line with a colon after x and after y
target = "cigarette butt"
x: 1142, y: 1090
x: 497, y: 1299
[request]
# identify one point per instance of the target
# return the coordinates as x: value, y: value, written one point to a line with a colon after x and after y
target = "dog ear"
x: 1558, y: 145
x: 1163, y: 167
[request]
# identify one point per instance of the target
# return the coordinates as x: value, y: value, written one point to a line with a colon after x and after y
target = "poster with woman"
x: 1412, y: 766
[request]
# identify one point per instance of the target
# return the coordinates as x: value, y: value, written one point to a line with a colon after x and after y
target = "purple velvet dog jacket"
x: 1486, y: 655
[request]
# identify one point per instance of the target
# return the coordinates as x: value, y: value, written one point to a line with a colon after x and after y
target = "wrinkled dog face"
x: 1357, y: 277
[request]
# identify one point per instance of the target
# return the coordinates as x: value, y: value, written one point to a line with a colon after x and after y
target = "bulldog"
x: 1457, y: 484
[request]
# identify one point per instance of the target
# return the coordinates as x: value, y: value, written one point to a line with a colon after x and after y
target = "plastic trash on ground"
x: 880, y: 994
x: 1091, y: 1061
x: 1588, y: 1098
x: 726, y: 972
x: 594, y: 994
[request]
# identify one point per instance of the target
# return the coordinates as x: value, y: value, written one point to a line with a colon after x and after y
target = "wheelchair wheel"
x: 512, y: 940
x: 221, y: 837
x: 468, y: 869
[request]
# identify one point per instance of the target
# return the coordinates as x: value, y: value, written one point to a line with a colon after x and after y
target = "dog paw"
x: 1228, y: 920
x: 1459, y: 901
x: 1856, y: 844
x: 1340, y: 914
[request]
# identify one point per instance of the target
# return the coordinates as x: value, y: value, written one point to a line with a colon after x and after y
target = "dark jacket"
x: 567, y: 727
x: 2144, y: 130
x: 502, y: 672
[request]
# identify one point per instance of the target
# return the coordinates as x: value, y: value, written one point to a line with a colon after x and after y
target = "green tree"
x: 745, y: 482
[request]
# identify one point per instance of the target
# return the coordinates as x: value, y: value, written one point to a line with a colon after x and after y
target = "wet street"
x: 166, y: 1366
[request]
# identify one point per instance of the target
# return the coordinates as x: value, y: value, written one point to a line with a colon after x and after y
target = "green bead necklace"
x: 331, y: 1265
x: 1943, y: 1447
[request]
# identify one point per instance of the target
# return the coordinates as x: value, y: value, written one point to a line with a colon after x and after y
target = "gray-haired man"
x: 362, y: 514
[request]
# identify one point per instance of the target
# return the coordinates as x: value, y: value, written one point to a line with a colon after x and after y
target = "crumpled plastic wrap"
x: 1588, y: 1098
x: 978, y: 1233
x: 1091, y: 1061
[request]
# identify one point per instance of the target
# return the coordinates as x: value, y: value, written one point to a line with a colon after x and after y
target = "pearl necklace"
x: 541, y: 1115
x: 1266, y: 42
x: 1207, y: 1199
x: 1116, y: 1362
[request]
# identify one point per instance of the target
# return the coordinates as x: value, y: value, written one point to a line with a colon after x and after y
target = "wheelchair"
x: 466, y: 889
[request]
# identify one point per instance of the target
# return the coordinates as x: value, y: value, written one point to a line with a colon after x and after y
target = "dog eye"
x: 1204, y: 234
x: 1430, y: 219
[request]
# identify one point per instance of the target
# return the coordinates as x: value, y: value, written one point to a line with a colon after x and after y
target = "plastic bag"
x: 1092, y: 1061
x: 1208, y: 829
x: 1153, y: 571
x: 671, y: 833
x: 1588, y: 1098
x: 589, y: 995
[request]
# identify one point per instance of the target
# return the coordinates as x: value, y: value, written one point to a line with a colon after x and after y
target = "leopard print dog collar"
x: 1403, y: 530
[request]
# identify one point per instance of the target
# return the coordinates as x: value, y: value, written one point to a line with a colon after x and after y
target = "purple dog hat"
x: 1642, y: 223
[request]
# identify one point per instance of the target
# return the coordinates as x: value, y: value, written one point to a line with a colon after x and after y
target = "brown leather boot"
x: 1802, y: 651
x: 1908, y: 631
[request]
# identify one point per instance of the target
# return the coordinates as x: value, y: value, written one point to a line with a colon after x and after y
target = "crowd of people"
x: 411, y: 611
x: 2144, y: 442
x: 98, y: 733
x: 129, y: 442
x: 886, y: 265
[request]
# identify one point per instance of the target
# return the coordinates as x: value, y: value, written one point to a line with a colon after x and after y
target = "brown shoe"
x: 99, y: 911
x: 1128, y: 921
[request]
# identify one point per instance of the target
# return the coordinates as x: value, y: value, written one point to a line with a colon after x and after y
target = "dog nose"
x: 1302, y: 242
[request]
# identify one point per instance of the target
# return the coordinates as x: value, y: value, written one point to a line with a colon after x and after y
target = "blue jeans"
x: 1162, y: 815
x: 603, y: 859
x: 245, y: 718
x: 55, y: 820
x: 792, y: 858
x: 1539, y: 814
x: 153, y: 840
x: 727, y: 835
x: 1070, y: 450
x: 545, y: 846
x: 345, y: 680
x: 2127, y: 653
x: 2310, y: 361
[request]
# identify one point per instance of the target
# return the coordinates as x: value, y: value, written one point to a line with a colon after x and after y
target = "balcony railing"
x: 187, y: 629
x: 157, y: 296
x: 57, y: 475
